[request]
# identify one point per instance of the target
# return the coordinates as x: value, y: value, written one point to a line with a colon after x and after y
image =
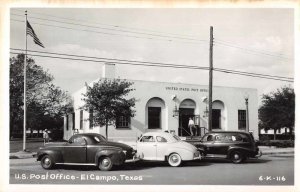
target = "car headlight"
x: 197, y: 154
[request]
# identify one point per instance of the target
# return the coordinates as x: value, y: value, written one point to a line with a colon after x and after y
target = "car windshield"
x: 98, y: 138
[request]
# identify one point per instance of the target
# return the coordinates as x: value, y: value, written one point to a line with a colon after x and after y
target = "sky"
x: 264, y: 37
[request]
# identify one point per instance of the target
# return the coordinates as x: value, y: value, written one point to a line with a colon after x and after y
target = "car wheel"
x: 47, y: 162
x: 174, y: 160
x: 105, y: 164
x: 236, y: 157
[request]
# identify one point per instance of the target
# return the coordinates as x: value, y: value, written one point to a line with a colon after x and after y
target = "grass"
x: 32, y: 145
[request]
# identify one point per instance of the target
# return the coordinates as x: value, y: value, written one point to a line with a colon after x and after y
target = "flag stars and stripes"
x: 31, y: 32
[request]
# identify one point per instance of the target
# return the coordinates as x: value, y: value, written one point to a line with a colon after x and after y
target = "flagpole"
x: 25, y: 66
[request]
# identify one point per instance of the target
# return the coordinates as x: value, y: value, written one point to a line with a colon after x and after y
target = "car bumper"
x: 259, y: 154
x: 197, y: 156
x: 134, y: 159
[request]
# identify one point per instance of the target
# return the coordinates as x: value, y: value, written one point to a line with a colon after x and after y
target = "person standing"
x: 46, y: 136
x: 191, y: 126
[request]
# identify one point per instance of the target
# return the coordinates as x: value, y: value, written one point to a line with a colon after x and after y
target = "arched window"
x: 217, y: 114
x: 154, y: 109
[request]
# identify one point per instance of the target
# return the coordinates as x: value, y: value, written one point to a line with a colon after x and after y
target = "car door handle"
x: 155, y: 145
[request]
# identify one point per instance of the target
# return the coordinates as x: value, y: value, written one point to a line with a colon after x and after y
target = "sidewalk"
x: 22, y: 155
x: 273, y: 150
x: 265, y: 151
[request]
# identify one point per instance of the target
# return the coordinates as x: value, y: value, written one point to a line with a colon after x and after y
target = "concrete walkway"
x: 265, y: 151
x: 273, y: 150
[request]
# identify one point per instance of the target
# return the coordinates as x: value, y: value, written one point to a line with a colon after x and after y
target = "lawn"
x: 31, y: 145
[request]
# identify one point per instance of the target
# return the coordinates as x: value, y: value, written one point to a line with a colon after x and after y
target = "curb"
x: 274, y: 153
x: 27, y: 156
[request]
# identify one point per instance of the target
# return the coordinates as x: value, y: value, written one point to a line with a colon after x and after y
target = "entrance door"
x: 184, y: 115
x: 216, y: 118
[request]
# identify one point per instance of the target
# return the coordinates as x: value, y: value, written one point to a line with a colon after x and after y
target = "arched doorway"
x: 186, y: 110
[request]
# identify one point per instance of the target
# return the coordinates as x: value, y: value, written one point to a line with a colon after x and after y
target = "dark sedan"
x: 233, y: 145
x: 85, y: 149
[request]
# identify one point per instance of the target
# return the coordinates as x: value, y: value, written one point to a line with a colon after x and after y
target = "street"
x: 277, y: 169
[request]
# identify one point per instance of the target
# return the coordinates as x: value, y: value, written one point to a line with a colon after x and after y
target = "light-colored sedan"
x: 162, y: 146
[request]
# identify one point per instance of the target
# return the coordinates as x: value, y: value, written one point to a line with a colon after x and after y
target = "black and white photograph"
x: 179, y: 96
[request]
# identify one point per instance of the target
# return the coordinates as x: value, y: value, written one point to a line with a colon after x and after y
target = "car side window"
x: 225, y: 138
x: 78, y: 141
x: 208, y: 138
x: 218, y: 137
x: 146, y: 139
x: 161, y: 139
x: 243, y: 138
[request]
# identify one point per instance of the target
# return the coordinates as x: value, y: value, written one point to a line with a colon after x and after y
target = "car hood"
x: 115, y: 144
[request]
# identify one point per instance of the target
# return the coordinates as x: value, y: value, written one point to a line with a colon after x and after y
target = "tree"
x: 278, y: 110
x: 107, y: 100
x: 45, y: 102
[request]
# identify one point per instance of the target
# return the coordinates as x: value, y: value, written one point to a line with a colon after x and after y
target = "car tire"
x: 236, y: 157
x: 47, y: 162
x: 105, y: 164
x: 174, y: 160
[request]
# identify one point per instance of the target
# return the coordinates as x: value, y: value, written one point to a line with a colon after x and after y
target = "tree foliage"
x: 108, y: 100
x: 278, y: 109
x: 46, y: 103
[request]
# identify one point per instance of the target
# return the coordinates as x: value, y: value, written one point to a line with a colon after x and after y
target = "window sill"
x: 123, y: 128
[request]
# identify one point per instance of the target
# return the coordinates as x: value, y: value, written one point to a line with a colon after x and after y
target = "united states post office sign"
x: 186, y: 89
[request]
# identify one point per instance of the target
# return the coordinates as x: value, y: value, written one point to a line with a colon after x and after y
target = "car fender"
x: 183, y: 153
x: 245, y: 151
x: 56, y: 155
x: 117, y: 156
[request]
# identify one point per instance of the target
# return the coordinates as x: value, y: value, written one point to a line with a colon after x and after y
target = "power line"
x: 249, y: 75
x: 218, y: 42
x: 105, y: 59
x: 250, y: 50
x: 110, y: 29
x: 154, y: 64
x: 104, y: 33
x: 253, y: 73
x: 126, y: 31
x: 259, y: 50
x: 117, y: 62
x: 114, y: 26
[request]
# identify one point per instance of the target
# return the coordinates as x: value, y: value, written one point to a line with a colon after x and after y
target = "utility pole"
x: 210, y: 79
x: 247, y: 114
x: 25, y: 67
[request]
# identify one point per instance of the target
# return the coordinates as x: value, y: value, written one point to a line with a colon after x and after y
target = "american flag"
x: 30, y: 32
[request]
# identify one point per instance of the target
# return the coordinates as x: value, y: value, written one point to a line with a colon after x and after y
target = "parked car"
x: 162, y: 146
x: 236, y: 146
x: 85, y: 149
